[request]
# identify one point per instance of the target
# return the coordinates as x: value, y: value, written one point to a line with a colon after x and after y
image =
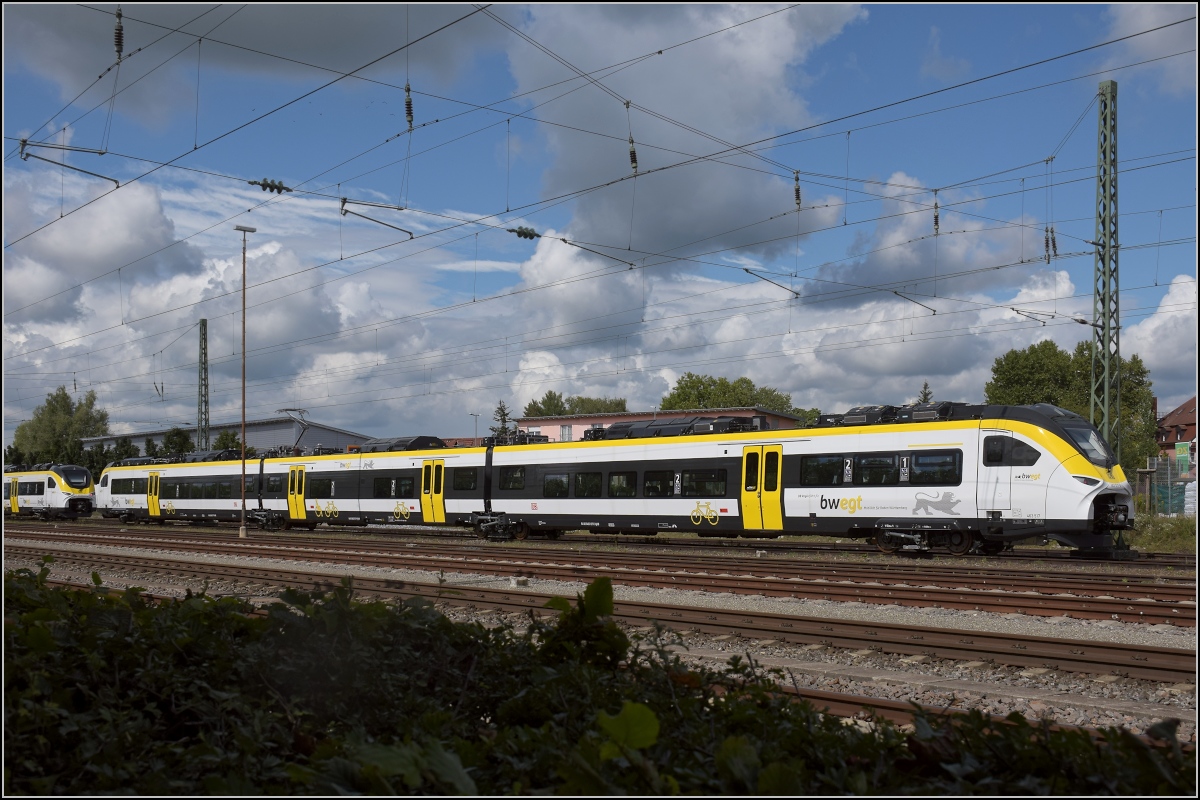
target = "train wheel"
x: 884, y: 545
x: 521, y: 531
x: 959, y: 542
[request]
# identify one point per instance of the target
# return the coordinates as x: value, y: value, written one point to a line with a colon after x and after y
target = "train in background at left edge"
x: 49, y: 491
x: 963, y: 477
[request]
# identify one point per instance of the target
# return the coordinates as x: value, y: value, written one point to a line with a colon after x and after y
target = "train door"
x: 296, y: 510
x: 762, y: 495
x: 433, y: 496
x: 12, y: 496
x: 995, y: 470
x: 152, y: 495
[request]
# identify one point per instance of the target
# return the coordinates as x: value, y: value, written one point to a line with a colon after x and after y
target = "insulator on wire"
x: 408, y: 105
x: 936, y: 215
x: 1053, y: 242
x: 798, y: 200
x: 119, y: 35
x: 632, y: 156
x: 1047, y: 245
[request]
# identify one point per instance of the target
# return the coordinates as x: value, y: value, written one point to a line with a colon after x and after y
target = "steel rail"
x: 1070, y: 655
x: 668, y: 575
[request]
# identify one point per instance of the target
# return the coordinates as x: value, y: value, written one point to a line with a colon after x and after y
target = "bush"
x: 1159, y: 534
x: 106, y: 692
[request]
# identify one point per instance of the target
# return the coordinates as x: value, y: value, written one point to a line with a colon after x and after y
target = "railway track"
x: 782, y: 545
x: 964, y: 588
x: 1071, y: 655
x: 1111, y: 598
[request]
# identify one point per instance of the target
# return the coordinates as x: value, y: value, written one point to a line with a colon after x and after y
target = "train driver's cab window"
x: 104, y: 481
x: 1005, y: 451
x: 587, y: 484
x: 936, y: 468
x: 622, y: 484
x: 659, y: 483
x: 876, y: 469
x: 557, y: 485
x: 821, y: 471
x: 50, y: 482
x: 512, y: 478
x: 703, y: 483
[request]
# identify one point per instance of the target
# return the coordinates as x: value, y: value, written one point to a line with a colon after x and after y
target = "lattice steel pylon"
x: 202, y: 397
x: 1106, y: 316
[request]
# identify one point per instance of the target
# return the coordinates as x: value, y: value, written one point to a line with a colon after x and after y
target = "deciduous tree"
x: 1044, y: 373
x: 58, y: 425
x: 177, y: 441
x: 704, y: 391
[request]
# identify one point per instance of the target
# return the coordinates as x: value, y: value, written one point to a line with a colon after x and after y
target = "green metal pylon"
x: 1106, y: 341
x: 202, y: 398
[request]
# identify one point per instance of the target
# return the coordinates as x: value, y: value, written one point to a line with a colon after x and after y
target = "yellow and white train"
x: 49, y: 491
x: 963, y: 477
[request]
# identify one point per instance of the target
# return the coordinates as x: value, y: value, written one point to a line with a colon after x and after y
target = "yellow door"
x: 433, y: 496
x: 12, y: 496
x: 152, y: 495
x: 762, y: 488
x: 296, y: 510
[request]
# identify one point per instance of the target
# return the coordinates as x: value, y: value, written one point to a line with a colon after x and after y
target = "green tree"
x: 228, y: 440
x: 595, y: 405
x: 704, y: 391
x: 13, y: 456
x: 926, y: 395
x: 502, y: 415
x: 152, y: 448
x: 1044, y: 373
x: 124, y: 448
x: 1041, y: 373
x: 551, y: 405
x: 58, y: 425
x: 176, y: 441
x: 96, y: 458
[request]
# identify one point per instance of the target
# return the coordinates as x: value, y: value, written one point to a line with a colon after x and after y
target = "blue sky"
x: 700, y: 262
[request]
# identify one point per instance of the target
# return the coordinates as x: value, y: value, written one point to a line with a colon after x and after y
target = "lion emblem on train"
x: 943, y: 503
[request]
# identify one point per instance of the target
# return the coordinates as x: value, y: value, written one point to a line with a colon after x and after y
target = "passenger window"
x: 464, y: 478
x: 821, y: 471
x: 556, y: 485
x: 622, y: 484
x: 659, y: 484
x: 587, y: 484
x: 936, y: 468
x: 704, y: 483
x: 274, y: 483
x: 876, y: 469
x: 512, y: 478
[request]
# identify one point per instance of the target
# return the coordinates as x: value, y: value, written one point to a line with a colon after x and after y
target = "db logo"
x: 533, y: 506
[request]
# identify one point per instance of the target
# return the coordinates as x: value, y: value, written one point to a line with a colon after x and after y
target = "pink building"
x: 570, y: 428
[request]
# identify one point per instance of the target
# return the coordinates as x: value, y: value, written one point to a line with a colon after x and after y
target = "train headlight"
x: 1086, y: 481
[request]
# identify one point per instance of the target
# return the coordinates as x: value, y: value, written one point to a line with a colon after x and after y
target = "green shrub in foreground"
x: 330, y: 695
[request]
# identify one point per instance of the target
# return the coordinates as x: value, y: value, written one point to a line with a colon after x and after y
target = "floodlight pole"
x: 476, y: 442
x: 244, y: 230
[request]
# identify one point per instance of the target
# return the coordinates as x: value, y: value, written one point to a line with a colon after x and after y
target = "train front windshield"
x: 76, y: 477
x: 1090, y: 443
